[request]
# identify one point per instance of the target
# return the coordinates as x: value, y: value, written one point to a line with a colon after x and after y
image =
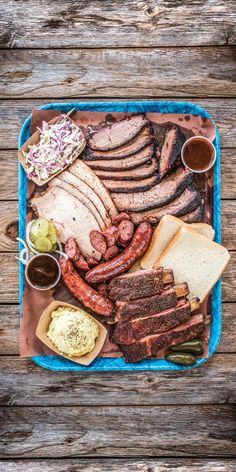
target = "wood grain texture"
x: 121, y: 465
x: 208, y: 430
x: 14, y: 112
x: 97, y: 23
x: 228, y: 173
x: 9, y: 169
x: 30, y: 385
x: 10, y: 323
x: 114, y: 72
x: 8, y: 226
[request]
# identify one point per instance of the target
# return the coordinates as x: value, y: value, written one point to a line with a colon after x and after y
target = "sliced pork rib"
x: 160, y: 194
x: 127, y: 163
x: 150, y: 345
x: 132, y: 331
x: 173, y: 142
x: 135, y: 285
x: 142, y: 139
x: 185, y: 203
x: 120, y: 186
x: 116, y: 134
x: 141, y: 172
x: 148, y: 306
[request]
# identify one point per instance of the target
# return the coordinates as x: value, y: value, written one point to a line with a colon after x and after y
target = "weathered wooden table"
x: 150, y: 421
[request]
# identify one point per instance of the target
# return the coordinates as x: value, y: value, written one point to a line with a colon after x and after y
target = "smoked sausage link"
x: 81, y: 264
x: 120, y: 264
x: 72, y: 249
x: 98, y: 241
x: 111, y: 252
x: 126, y: 230
x: 120, y: 217
x: 82, y: 291
x: 112, y: 235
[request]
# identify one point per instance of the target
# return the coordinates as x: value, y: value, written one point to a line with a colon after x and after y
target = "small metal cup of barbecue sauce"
x: 43, y: 272
x: 198, y: 154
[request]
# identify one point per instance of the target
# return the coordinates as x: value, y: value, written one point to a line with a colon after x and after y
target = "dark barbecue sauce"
x: 198, y: 154
x: 43, y: 271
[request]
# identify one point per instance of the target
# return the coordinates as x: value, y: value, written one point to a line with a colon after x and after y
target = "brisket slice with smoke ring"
x: 194, y: 216
x: 116, y: 134
x: 159, y: 195
x: 150, y: 345
x: 143, y: 138
x: 139, y: 173
x: 143, y: 283
x: 171, y: 148
x: 134, y: 330
x: 142, y: 157
x: 185, y: 203
x: 148, y: 306
x: 119, y: 186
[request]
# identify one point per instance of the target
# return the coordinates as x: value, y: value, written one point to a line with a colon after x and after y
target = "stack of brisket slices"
x: 140, y: 173
x: 152, y: 313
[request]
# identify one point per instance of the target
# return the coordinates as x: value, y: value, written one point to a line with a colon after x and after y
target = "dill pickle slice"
x: 39, y: 227
x: 52, y: 233
x: 54, y: 247
x: 43, y: 244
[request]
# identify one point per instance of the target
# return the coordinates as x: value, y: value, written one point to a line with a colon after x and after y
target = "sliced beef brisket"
x: 120, y: 186
x: 150, y: 345
x: 173, y: 142
x: 194, y: 216
x: 159, y: 195
x: 127, y: 163
x: 143, y: 138
x: 185, y: 203
x: 114, y: 135
x: 141, y: 172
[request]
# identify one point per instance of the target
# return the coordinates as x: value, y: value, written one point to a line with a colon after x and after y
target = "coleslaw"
x: 59, y: 144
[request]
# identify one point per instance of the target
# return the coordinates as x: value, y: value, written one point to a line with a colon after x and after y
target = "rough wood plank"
x: 9, y: 279
x: 9, y: 329
x: 10, y: 324
x: 9, y: 169
x: 9, y: 224
x: 107, y: 431
x: 8, y: 175
x: 50, y: 24
x: 228, y: 212
x: 121, y: 465
x: 14, y: 112
x: 228, y: 173
x: 111, y: 72
x: 30, y: 385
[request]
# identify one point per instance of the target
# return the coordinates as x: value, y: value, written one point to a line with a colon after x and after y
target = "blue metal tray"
x: 117, y: 364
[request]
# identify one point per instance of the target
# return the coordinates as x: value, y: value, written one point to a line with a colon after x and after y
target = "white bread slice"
x: 204, y: 229
x: 163, y: 234
x: 196, y: 260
